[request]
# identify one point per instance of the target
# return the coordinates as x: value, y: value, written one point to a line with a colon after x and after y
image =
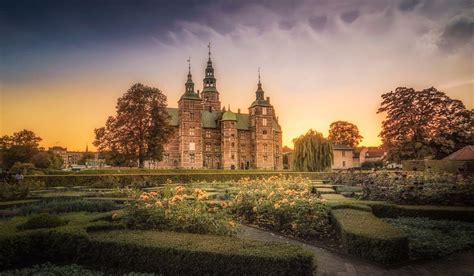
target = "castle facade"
x: 209, y: 136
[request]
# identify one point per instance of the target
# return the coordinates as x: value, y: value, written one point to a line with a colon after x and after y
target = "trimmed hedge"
x: 149, y: 180
x: 450, y: 166
x: 437, y: 212
x: 366, y: 236
x: 165, y: 253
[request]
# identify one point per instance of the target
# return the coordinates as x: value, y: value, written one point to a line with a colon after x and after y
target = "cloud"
x: 350, y: 16
x: 318, y: 22
x: 457, y: 34
x: 408, y: 5
x: 286, y: 24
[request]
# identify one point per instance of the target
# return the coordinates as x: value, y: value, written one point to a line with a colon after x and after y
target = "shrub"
x: 11, y: 190
x: 437, y: 212
x: 50, y: 269
x: 367, y: 165
x: 167, y: 253
x: 42, y: 221
x: 431, y: 239
x: 69, y: 205
x: 282, y: 204
x: 178, y: 209
x: 366, y: 236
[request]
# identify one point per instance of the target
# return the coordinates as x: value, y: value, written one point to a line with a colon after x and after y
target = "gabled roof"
x: 342, y: 147
x: 464, y: 154
x: 242, y: 121
x: 173, y: 112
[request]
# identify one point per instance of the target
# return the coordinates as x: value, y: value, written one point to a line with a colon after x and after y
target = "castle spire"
x: 189, y: 85
x: 259, y: 83
x: 209, y: 46
x: 259, y: 93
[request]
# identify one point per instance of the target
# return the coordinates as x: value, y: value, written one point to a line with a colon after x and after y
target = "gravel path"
x: 330, y: 263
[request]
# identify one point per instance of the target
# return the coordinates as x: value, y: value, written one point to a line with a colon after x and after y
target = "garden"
x: 196, y: 226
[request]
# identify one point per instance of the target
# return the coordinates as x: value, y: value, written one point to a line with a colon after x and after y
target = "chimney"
x: 238, y: 111
x: 268, y: 100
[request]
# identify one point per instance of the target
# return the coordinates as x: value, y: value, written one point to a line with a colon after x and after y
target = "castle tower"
x: 190, y: 131
x: 264, y: 131
x: 229, y: 141
x: 209, y: 94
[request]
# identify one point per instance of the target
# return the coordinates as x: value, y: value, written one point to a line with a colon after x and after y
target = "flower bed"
x: 178, y: 209
x: 283, y: 204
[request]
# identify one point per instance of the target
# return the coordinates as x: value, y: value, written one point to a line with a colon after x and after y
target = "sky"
x: 63, y: 64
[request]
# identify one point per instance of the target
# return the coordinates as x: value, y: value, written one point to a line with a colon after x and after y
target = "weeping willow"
x: 312, y: 152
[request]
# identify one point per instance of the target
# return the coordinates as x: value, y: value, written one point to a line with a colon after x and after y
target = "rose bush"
x: 178, y: 209
x: 283, y: 204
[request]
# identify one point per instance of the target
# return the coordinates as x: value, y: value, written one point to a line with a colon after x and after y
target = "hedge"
x: 450, y: 166
x: 437, y: 212
x: 165, y: 253
x: 149, y: 180
x: 366, y: 236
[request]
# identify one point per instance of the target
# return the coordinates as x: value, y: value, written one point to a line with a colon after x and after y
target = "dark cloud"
x: 456, y: 34
x: 408, y: 5
x: 318, y: 22
x: 286, y: 24
x: 350, y: 16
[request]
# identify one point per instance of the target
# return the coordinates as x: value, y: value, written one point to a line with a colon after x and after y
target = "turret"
x: 209, y: 93
x: 229, y: 142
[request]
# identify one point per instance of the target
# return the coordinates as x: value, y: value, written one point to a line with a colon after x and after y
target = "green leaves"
x: 312, y: 152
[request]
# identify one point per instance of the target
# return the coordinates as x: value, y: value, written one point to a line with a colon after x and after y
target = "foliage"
x: 55, y: 206
x: 312, y: 152
x: 47, y: 160
x: 344, y: 133
x: 179, y: 209
x: 85, y: 157
x: 42, y: 221
x: 10, y: 190
x: 376, y: 164
x: 51, y: 269
x: 366, y: 236
x: 282, y: 204
x: 164, y: 253
x: 431, y: 239
x: 140, y: 128
x: 418, y: 188
x: 425, y: 123
x: 19, y: 147
x: 24, y: 168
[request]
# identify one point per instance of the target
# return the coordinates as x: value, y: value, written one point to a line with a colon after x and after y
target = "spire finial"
x: 228, y: 107
x: 209, y: 46
x: 259, y: 75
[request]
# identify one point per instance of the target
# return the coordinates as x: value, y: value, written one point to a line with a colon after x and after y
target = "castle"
x: 209, y: 136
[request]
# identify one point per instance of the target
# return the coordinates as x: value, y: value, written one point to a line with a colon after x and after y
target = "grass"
x: 431, y: 239
x: 325, y: 191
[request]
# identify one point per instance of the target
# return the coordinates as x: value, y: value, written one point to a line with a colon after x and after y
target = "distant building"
x: 72, y: 158
x: 343, y: 157
x: 371, y: 154
x: 61, y: 152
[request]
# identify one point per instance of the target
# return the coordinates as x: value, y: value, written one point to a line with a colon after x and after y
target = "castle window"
x: 264, y: 147
x: 192, y: 146
x: 232, y: 145
x: 192, y: 116
x: 210, y: 108
x: 265, y: 158
x: 232, y: 135
x: 232, y: 157
x: 166, y: 158
x: 264, y: 111
x: 344, y: 164
x: 191, y: 131
x: 264, y: 121
x: 208, y: 134
x: 208, y: 147
x: 191, y: 158
x: 264, y: 134
x: 343, y: 153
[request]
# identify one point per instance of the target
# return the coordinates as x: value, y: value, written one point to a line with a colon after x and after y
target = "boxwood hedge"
x: 166, y: 253
x: 367, y: 236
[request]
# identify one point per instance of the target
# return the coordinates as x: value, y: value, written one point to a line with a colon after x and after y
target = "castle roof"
x: 229, y: 116
x: 210, y: 119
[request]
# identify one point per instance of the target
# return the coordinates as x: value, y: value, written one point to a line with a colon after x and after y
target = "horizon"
x: 320, y: 61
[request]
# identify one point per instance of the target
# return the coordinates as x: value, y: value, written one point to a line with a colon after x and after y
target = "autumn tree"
x: 19, y: 147
x: 344, y: 133
x: 312, y: 152
x: 423, y: 124
x: 140, y: 128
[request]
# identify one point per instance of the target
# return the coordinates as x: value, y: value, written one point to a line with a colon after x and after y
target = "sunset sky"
x: 64, y: 63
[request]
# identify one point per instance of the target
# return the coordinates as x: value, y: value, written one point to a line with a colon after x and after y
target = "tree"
x: 47, y: 160
x: 139, y: 130
x: 424, y: 124
x: 312, y: 152
x: 85, y: 157
x: 19, y: 147
x: 344, y: 133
